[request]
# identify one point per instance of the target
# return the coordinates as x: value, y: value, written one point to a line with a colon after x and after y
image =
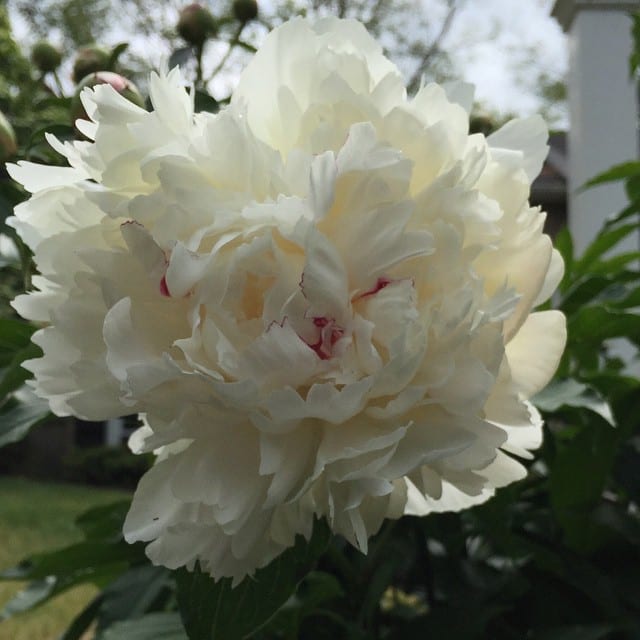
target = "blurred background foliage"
x: 554, y: 557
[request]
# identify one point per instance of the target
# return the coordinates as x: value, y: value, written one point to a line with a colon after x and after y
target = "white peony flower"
x: 320, y: 298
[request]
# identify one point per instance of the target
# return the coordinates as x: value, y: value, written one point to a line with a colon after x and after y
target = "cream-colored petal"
x: 535, y: 351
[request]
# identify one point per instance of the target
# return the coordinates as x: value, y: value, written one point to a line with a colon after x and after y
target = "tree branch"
x: 435, y: 45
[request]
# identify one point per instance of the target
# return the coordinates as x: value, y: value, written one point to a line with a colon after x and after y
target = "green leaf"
x: 40, y: 591
x: 614, y: 266
x: 316, y: 589
x: 63, y: 131
x: 48, y: 101
x: 630, y: 300
x: 204, y: 102
x: 616, y: 518
x: 577, y: 632
x: 180, y: 57
x: 29, y: 597
x: 627, y: 471
x: 615, y: 173
x: 83, y: 620
x: 632, y: 187
x: 104, y: 522
x: 116, y: 52
x: 564, y: 244
x: 17, y: 419
x: 13, y: 376
x: 594, y: 325
x: 630, y: 210
x: 55, y: 572
x: 609, y: 287
x: 454, y: 621
x: 581, y: 468
x: 98, y: 560
x: 14, y: 335
x: 634, y: 58
x: 132, y: 594
x: 605, y: 241
x: 215, y: 611
x: 578, y: 478
x: 571, y: 393
x: 83, y: 557
x: 153, y: 626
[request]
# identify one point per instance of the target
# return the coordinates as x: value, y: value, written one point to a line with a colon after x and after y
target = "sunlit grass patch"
x: 34, y: 517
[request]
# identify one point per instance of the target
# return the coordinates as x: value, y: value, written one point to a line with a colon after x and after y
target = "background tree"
x: 410, y: 35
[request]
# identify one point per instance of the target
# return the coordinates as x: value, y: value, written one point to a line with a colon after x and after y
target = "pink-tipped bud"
x: 122, y: 85
x: 89, y: 60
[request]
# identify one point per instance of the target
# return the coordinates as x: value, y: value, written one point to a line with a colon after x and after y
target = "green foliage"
x: 153, y: 626
x: 212, y: 609
x: 634, y: 59
x: 16, y: 417
x: 107, y: 466
x: 101, y: 558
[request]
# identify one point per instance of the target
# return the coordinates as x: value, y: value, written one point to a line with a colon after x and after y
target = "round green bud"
x: 196, y: 24
x: 89, y: 60
x: 8, y: 144
x: 45, y: 56
x: 482, y: 123
x: 122, y: 85
x: 245, y: 10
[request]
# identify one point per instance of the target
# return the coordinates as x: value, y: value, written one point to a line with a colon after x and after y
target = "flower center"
x: 380, y: 284
x: 328, y: 334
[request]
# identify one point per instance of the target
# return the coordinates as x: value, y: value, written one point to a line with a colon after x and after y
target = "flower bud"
x: 245, y: 10
x: 8, y: 144
x: 482, y: 123
x: 196, y: 24
x: 122, y: 85
x: 45, y: 56
x: 89, y: 60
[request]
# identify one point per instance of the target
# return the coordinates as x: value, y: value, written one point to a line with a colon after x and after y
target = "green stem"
x: 424, y: 558
x: 232, y: 44
x: 26, y: 262
x: 337, y: 559
x: 56, y: 77
x: 381, y: 541
x: 199, y: 50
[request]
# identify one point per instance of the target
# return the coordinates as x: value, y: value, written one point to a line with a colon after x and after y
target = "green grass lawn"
x: 38, y: 516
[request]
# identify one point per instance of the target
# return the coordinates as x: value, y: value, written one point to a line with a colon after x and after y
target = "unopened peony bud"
x: 245, y: 10
x: 45, y: 56
x: 8, y: 145
x: 122, y: 85
x: 89, y: 60
x: 482, y: 123
x: 196, y: 24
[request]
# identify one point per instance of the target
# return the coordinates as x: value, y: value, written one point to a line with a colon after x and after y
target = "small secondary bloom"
x: 320, y: 298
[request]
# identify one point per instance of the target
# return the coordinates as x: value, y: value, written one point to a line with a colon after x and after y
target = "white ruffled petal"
x: 535, y: 351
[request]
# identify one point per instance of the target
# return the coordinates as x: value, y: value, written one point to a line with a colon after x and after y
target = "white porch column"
x: 603, y: 108
x: 114, y: 432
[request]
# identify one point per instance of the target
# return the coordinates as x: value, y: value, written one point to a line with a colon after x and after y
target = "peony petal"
x: 534, y: 352
x: 528, y: 136
x: 38, y: 177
